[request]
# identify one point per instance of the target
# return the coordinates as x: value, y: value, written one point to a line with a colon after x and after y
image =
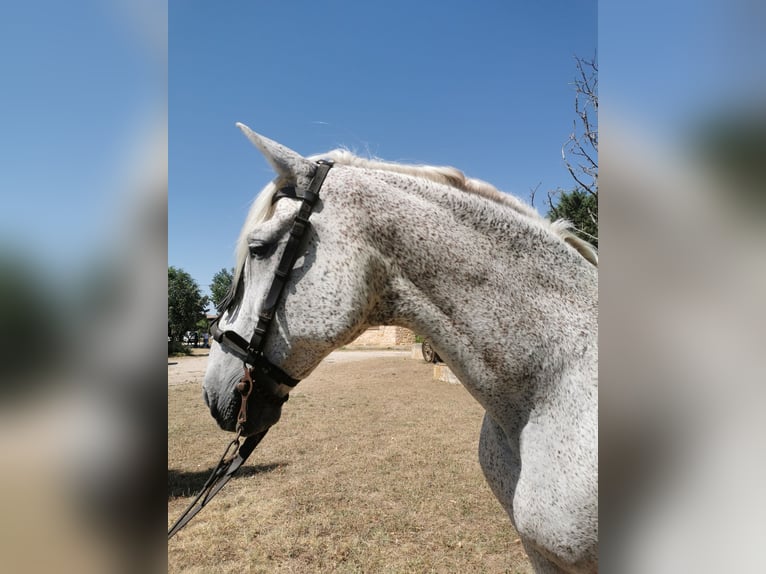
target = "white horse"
x: 509, y: 300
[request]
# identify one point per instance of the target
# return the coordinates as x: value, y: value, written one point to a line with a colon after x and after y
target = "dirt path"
x: 372, y: 468
x: 191, y: 369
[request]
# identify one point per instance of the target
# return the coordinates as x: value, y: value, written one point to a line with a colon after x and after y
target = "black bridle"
x: 260, y: 376
x: 252, y: 353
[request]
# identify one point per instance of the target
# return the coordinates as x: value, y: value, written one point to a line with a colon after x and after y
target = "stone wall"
x: 443, y: 373
x: 384, y: 336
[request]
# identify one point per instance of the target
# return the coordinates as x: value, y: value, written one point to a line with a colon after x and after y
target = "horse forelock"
x: 262, y: 208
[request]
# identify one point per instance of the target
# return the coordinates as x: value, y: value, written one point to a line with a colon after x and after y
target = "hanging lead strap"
x: 233, y: 457
x: 227, y: 466
x: 286, y: 263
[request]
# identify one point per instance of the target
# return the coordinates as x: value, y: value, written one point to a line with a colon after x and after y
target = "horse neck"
x: 502, y: 298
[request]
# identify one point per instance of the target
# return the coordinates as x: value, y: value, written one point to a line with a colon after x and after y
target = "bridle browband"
x: 259, y: 373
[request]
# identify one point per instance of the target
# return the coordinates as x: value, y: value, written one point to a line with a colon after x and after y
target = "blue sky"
x: 484, y: 86
x: 666, y: 74
x: 78, y: 86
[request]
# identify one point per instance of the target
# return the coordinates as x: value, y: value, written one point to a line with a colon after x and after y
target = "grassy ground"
x: 373, y: 468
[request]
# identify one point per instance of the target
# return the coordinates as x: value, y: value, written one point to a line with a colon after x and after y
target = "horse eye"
x: 259, y: 250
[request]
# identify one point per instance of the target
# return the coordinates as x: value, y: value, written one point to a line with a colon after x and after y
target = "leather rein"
x: 259, y: 373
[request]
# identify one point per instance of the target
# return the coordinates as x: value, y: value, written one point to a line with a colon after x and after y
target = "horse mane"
x: 262, y: 207
x: 453, y: 177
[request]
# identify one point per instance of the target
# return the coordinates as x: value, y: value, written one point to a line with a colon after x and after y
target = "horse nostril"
x: 210, y: 404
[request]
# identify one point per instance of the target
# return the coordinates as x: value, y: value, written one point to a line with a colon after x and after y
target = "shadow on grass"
x: 185, y: 484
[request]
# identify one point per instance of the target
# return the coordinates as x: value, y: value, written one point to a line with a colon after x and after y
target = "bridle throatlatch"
x: 260, y: 376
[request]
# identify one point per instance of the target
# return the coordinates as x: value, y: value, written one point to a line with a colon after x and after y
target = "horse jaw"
x: 287, y: 163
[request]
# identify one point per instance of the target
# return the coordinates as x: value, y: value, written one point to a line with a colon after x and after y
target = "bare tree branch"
x: 585, y: 186
x: 533, y: 191
x: 551, y: 195
x: 583, y: 140
x: 579, y: 154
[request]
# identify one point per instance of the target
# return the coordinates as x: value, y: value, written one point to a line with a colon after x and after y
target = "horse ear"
x: 286, y: 162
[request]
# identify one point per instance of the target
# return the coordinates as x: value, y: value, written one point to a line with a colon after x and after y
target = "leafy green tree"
x: 34, y: 323
x: 186, y: 304
x: 581, y: 208
x: 221, y: 285
x: 733, y: 142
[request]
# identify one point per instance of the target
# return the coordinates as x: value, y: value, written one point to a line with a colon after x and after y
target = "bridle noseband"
x: 261, y: 377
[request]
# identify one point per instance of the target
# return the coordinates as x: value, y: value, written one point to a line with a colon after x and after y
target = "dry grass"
x: 373, y: 468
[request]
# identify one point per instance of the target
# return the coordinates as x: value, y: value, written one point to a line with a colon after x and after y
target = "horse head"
x: 300, y: 290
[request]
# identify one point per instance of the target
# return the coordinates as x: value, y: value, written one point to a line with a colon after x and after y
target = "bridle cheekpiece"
x: 251, y: 352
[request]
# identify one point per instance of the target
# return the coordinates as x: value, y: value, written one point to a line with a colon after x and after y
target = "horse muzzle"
x: 253, y: 405
x: 261, y: 400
